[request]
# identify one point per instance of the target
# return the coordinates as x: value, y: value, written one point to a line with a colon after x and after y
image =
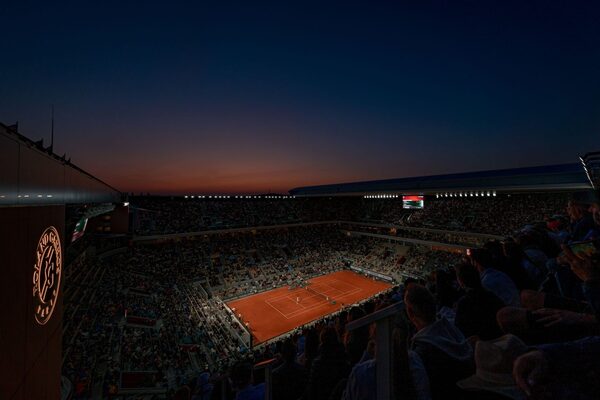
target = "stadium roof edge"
x: 32, y: 174
x: 539, y: 178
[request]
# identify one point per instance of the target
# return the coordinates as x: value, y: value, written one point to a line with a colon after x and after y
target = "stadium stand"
x: 152, y: 319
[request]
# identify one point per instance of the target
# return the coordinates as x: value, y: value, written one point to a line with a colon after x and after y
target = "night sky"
x: 221, y: 97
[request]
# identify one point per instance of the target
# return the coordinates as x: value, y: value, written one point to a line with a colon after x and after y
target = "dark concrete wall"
x: 30, y: 353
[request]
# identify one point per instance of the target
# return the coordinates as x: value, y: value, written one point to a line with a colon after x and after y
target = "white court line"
x: 276, y: 309
x: 295, y: 290
x: 290, y: 299
x: 322, y: 302
x: 295, y: 313
x: 304, y: 308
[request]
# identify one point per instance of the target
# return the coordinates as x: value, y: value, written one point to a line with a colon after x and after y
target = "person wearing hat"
x: 493, y: 369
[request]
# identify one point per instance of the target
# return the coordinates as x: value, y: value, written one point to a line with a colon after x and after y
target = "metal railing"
x: 383, y: 319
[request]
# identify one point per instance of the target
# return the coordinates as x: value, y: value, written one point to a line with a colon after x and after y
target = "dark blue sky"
x: 248, y: 97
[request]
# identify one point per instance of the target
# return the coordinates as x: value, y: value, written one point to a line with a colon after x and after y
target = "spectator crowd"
x: 508, y: 319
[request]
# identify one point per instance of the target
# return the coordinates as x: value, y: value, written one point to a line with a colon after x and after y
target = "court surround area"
x: 275, y: 312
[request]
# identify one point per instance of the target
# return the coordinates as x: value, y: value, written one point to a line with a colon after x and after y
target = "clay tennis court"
x: 277, y: 311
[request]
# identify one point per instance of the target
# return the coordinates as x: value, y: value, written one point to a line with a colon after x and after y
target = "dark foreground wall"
x: 31, y: 279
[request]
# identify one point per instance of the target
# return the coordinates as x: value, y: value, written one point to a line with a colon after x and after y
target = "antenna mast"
x: 52, y: 131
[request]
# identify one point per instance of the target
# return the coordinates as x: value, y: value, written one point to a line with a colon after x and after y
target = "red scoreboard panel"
x: 413, y: 202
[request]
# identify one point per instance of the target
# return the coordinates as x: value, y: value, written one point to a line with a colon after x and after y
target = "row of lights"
x: 381, y: 196
x: 467, y: 194
x: 237, y: 197
x: 26, y: 196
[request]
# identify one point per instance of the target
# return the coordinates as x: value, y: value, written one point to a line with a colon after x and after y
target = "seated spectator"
x: 356, y: 341
x: 568, y: 370
x: 203, y: 389
x: 547, y: 325
x: 518, y: 265
x: 445, y: 352
x: 476, y: 310
x: 493, y: 280
x: 328, y: 368
x: 290, y: 377
x: 582, y: 221
x: 241, y: 380
x: 409, y: 374
x: 587, y: 268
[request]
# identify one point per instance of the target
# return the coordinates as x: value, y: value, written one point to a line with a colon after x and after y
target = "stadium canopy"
x: 31, y: 174
x: 530, y: 179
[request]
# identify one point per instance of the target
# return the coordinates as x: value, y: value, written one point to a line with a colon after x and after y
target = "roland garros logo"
x: 46, y: 275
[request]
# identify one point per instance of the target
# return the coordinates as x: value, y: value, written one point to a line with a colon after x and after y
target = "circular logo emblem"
x: 46, y: 275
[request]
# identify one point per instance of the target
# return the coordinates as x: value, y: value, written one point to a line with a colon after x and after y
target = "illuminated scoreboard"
x: 413, y: 202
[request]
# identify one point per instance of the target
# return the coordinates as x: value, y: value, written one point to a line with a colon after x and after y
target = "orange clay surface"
x: 277, y: 311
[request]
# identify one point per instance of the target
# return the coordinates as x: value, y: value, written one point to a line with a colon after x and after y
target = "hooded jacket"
x: 447, y: 356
